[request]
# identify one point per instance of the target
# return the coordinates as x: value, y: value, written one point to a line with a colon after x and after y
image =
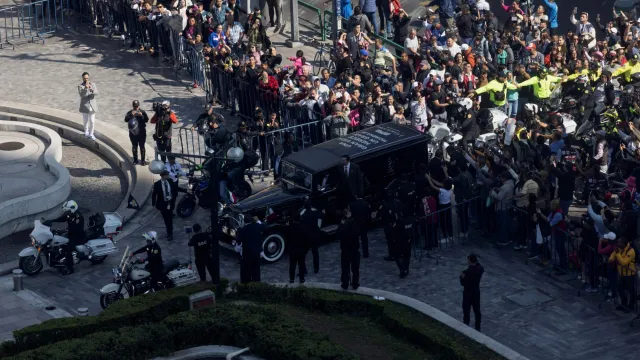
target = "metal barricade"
x: 29, y: 22
x: 193, y: 145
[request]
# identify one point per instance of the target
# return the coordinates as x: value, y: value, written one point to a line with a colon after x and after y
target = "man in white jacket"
x: 584, y: 28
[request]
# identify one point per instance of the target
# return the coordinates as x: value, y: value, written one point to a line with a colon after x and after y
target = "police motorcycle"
x: 131, y: 278
x: 440, y: 135
x: 51, y: 243
x: 564, y: 107
x: 198, y: 193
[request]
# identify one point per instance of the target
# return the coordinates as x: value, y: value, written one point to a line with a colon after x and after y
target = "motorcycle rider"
x: 137, y: 120
x: 154, y: 258
x: 596, y: 97
x: 75, y: 231
x: 542, y: 85
x: 631, y: 67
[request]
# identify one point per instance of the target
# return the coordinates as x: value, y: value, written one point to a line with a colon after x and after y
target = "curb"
x: 111, y: 142
x: 36, y: 300
x: 18, y: 213
x: 428, y: 310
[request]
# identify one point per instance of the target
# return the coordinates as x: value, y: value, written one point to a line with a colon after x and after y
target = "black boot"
x: 143, y: 157
x: 134, y: 151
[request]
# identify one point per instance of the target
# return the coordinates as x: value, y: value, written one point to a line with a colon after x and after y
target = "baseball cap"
x: 464, y: 47
x: 136, y: 103
x: 531, y: 46
x: 364, y: 52
x: 503, y: 73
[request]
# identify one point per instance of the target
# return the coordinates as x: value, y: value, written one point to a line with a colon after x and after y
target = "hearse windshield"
x: 294, y: 177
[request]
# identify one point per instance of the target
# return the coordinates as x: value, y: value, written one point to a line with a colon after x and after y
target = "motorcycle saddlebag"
x: 182, y: 276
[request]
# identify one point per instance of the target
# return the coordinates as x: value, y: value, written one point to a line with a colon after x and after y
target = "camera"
x: 157, y: 107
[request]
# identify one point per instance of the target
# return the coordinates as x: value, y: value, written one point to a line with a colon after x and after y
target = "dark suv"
x: 382, y: 152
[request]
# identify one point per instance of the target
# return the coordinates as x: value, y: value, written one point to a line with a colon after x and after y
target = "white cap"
x: 614, y: 31
x: 166, y: 103
x: 464, y: 47
x: 610, y: 236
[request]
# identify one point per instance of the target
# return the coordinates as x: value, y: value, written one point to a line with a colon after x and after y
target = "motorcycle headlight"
x: 33, y: 241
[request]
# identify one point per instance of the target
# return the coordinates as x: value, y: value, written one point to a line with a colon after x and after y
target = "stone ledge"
x: 428, y: 310
x: 140, y: 179
x: 18, y: 214
x: 204, y: 352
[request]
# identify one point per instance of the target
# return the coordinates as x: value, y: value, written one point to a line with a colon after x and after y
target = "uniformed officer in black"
x: 361, y: 212
x: 311, y: 221
x: 390, y: 212
x: 250, y: 237
x: 202, y: 243
x: 137, y: 120
x: 75, y: 231
x: 154, y: 258
x: 405, y: 232
x: 470, y: 280
x: 349, y: 233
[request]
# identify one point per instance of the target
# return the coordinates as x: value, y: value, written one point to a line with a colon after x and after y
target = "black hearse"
x: 383, y: 152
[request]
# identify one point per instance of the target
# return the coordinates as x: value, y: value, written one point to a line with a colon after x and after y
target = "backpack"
x: 500, y: 96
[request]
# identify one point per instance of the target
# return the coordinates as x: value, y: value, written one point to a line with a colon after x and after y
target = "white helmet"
x: 150, y: 236
x: 70, y: 206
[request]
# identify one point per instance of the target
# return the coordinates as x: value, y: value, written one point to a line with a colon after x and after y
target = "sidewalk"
x: 22, y: 308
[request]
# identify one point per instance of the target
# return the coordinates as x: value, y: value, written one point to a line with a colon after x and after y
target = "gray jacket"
x: 504, y: 196
x: 338, y: 124
x: 88, y: 101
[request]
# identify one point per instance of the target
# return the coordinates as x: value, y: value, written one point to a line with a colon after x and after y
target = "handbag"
x: 500, y: 96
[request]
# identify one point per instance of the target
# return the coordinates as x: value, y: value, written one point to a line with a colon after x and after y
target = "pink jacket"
x: 297, y: 62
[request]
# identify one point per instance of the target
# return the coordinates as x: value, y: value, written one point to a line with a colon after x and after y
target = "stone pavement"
x: 557, y: 325
x: 22, y: 308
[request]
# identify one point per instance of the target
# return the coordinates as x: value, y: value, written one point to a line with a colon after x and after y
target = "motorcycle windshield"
x: 41, y: 232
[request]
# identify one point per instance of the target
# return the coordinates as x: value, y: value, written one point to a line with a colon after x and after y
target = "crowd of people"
x: 535, y: 171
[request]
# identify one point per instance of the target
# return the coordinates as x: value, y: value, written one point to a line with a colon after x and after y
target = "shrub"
x: 264, y: 329
x: 132, y: 312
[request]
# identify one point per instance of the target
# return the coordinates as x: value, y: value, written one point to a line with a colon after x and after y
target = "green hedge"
x: 264, y: 329
x: 401, y: 321
x: 132, y: 312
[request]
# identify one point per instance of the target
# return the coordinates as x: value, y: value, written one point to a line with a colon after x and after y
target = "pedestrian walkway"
x: 22, y: 308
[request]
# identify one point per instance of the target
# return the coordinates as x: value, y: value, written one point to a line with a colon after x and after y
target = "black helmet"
x: 542, y: 71
x: 134, y: 127
x: 631, y: 56
x: 594, y: 66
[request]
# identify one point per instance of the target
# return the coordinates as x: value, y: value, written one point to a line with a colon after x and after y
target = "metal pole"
x: 335, y: 20
x: 215, y: 227
x: 295, y: 29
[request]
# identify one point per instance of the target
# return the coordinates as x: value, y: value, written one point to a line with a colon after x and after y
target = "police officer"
x: 349, y: 233
x: 164, y: 118
x: 470, y: 280
x: 137, y: 120
x: 311, y: 221
x: 75, y: 232
x: 202, y: 243
x: 154, y: 258
x: 361, y: 212
x: 250, y: 238
x: 405, y: 233
x: 391, y: 213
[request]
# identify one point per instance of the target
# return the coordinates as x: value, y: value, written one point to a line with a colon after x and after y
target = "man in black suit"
x: 352, y: 183
x: 162, y: 199
x: 250, y: 237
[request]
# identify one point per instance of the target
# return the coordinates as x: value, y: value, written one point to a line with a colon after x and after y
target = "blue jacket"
x: 368, y: 6
x: 552, y: 13
x: 446, y: 8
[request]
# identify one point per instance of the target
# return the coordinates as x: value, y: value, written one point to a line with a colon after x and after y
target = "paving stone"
x: 529, y: 298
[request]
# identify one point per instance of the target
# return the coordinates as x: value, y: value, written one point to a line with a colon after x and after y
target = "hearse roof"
x: 358, y: 144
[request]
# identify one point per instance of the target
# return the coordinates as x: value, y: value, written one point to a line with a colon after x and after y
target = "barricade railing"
x: 29, y: 22
x: 312, y: 25
x: 192, y: 145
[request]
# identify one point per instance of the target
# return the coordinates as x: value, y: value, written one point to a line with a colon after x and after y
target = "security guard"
x: 541, y: 84
x: 298, y: 252
x: 311, y: 221
x: 631, y: 67
x: 250, y: 237
x: 390, y: 212
x: 75, y: 231
x: 154, y: 258
x: 404, y: 239
x: 498, y: 89
x: 407, y: 196
x: 470, y: 280
x: 202, y: 244
x: 137, y: 120
x: 348, y: 233
x: 361, y: 212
